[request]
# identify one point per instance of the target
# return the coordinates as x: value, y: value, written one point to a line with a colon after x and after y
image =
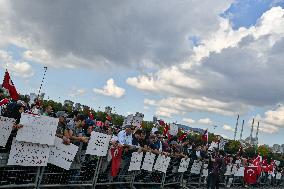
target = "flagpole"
x: 43, y: 78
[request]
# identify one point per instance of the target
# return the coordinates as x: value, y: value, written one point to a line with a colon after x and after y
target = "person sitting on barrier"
x: 62, y: 130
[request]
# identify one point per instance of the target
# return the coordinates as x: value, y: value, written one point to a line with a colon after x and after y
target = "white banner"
x: 162, y: 163
x: 196, y: 167
x: 205, y: 170
x: 6, y: 126
x: 148, y: 161
x: 173, y: 129
x: 136, y: 160
x: 183, y: 166
x: 28, y: 154
x: 212, y: 146
x: 62, y: 155
x: 240, y: 172
x: 228, y: 170
x: 37, y: 129
x: 98, y: 144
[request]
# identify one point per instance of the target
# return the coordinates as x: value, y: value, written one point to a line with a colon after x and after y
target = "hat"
x: 61, y: 114
x: 128, y: 126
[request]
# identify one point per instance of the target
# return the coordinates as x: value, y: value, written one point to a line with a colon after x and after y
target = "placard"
x: 278, y: 176
x: 173, y: 129
x: 196, y: 167
x: 148, y: 161
x: 98, y: 144
x: 28, y: 154
x: 128, y: 120
x: 137, y: 119
x: 6, y: 126
x: 205, y: 170
x: 183, y: 166
x: 212, y: 146
x: 240, y: 172
x: 162, y: 163
x: 228, y: 170
x: 62, y: 155
x: 37, y: 129
x: 136, y: 160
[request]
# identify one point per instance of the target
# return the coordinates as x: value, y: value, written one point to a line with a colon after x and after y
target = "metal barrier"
x: 94, y: 172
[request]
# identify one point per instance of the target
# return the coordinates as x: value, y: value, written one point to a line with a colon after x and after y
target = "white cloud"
x: 162, y: 30
x: 176, y: 105
x: 205, y: 121
x: 188, y: 120
x: 228, y: 128
x: 271, y: 121
x: 110, y: 89
x: 223, y: 65
x: 149, y: 102
x: 17, y: 68
x: 75, y: 92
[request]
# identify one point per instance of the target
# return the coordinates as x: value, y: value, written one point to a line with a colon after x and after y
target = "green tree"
x: 232, y: 147
x: 263, y: 150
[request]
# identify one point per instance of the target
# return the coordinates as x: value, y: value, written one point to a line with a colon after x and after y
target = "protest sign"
x: 196, y: 167
x: 148, y: 161
x: 162, y: 163
x: 173, y: 129
x: 98, y: 144
x: 37, y: 129
x: 6, y: 126
x: 136, y: 160
x: 62, y: 155
x: 28, y: 154
x: 183, y: 166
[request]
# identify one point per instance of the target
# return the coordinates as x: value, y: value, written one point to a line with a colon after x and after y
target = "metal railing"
x: 94, y: 172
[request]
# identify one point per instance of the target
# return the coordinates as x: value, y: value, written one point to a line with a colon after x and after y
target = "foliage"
x: 263, y: 151
x: 232, y: 147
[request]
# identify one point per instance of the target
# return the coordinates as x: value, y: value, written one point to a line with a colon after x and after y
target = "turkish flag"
x: 166, y: 129
x: 116, y: 154
x: 250, y: 175
x: 91, y: 116
x: 8, y: 84
x: 205, y: 136
x: 4, y: 101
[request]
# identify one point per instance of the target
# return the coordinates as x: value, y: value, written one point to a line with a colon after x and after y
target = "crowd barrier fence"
x: 94, y: 172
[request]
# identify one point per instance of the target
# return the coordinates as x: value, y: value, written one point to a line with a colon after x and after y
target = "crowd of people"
x: 76, y: 128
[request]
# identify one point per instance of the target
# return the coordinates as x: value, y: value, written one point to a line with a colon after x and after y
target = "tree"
x: 232, y: 147
x: 250, y: 151
x: 264, y: 150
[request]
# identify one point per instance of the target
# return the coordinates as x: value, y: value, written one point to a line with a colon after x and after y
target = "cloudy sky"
x: 199, y: 63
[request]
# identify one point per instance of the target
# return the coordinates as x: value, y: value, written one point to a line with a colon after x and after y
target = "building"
x: 276, y: 148
x: 251, y: 141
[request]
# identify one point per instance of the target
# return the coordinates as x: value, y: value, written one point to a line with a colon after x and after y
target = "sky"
x: 198, y: 63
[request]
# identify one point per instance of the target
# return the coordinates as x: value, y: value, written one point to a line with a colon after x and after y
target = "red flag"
x: 257, y: 160
x: 4, y: 101
x: 91, y: 116
x: 116, y: 154
x: 205, y: 136
x: 8, y: 84
x: 166, y: 129
x: 250, y: 175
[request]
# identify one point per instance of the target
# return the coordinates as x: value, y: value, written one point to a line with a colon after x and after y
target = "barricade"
x: 94, y: 172
x: 16, y: 176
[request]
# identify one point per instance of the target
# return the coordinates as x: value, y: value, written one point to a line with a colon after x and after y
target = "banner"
x: 196, y: 167
x: 37, y: 129
x: 98, y: 144
x: 205, y: 170
x: 148, y: 161
x: 62, y: 155
x: 162, y: 163
x: 229, y: 170
x: 136, y: 160
x: 212, y: 146
x: 183, y: 166
x: 28, y: 154
x: 173, y: 129
x: 240, y: 172
x: 6, y: 126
